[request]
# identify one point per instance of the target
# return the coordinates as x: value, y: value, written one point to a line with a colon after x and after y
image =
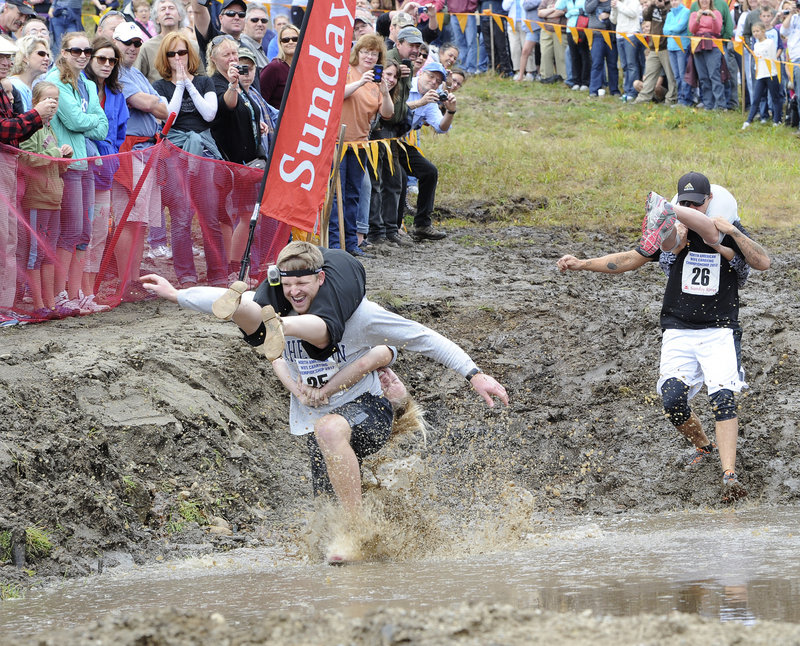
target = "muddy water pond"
x: 733, y: 565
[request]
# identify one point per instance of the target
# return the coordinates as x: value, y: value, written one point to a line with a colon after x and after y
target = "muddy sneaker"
x: 732, y: 489
x: 273, y: 340
x: 225, y: 306
x: 700, y: 454
x: 657, y: 223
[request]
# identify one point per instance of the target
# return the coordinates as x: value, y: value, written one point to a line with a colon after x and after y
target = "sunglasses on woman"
x: 180, y: 52
x: 234, y: 14
x: 43, y: 53
x: 105, y: 60
x: 77, y: 51
x: 290, y: 39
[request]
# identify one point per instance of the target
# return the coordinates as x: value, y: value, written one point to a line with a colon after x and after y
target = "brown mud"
x: 149, y: 433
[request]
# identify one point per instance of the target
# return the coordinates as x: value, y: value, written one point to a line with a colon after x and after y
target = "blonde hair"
x: 213, y: 45
x: 282, y: 54
x: 40, y: 88
x: 25, y: 47
x: 409, y: 418
x: 299, y: 255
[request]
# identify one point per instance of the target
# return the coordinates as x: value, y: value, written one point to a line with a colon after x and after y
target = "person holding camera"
x: 424, y: 102
x: 365, y: 95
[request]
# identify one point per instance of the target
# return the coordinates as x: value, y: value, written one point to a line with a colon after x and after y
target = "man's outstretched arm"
x: 613, y: 263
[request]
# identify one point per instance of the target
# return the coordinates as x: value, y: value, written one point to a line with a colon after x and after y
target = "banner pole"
x: 245, y: 265
x: 326, y: 209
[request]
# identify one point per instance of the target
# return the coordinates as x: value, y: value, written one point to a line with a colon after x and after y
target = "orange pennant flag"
x: 559, y: 34
x: 720, y: 45
x: 641, y: 38
x: 695, y: 40
x: 499, y: 20
x: 606, y: 37
x: 462, y: 21
x: 738, y: 47
x: 656, y: 41
x: 678, y: 40
x: 574, y: 33
x: 589, y: 36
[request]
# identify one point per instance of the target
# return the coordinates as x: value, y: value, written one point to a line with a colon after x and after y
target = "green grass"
x: 37, y: 544
x: 595, y: 160
x: 9, y: 591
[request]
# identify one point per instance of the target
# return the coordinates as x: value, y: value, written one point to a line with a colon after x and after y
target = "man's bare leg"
x: 727, y: 432
x: 333, y: 436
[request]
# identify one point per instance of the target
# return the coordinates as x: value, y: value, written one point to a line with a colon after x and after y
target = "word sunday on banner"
x: 302, y: 154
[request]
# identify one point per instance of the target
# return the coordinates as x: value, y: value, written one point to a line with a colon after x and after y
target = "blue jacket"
x: 677, y: 24
x: 116, y: 109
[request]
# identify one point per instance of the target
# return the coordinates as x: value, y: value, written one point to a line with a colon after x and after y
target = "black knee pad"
x: 256, y: 338
x: 723, y: 405
x: 675, y: 395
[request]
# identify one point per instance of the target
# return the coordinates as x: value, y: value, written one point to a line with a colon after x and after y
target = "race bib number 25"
x: 701, y: 273
x: 316, y: 373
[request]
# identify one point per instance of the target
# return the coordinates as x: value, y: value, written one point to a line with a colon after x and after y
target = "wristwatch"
x: 472, y: 373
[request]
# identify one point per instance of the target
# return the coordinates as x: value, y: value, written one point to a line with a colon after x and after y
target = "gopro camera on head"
x: 273, y: 275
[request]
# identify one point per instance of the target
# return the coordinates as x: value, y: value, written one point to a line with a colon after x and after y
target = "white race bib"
x: 316, y: 373
x: 700, y: 273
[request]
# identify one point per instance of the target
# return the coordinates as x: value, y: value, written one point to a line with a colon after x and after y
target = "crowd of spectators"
x: 222, y: 67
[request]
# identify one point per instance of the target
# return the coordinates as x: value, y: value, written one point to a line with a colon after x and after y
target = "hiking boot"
x: 427, y: 233
x: 225, y: 306
x: 274, y: 340
x: 396, y: 239
x: 732, y: 489
x: 701, y: 454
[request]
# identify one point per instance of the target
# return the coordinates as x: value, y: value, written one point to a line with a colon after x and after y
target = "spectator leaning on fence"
x: 103, y: 69
x: 657, y: 63
x: 14, y: 128
x: 80, y: 117
x: 146, y: 108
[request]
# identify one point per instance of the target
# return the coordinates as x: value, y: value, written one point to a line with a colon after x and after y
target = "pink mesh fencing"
x: 75, y: 235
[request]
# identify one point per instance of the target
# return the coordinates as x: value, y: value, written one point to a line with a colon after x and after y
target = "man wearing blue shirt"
x: 424, y: 103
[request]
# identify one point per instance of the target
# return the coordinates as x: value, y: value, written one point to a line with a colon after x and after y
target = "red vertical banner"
x: 302, y: 155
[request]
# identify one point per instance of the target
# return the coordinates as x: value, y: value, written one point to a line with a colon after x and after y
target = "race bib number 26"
x: 701, y: 273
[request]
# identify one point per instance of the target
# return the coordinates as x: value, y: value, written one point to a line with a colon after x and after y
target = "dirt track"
x: 128, y: 435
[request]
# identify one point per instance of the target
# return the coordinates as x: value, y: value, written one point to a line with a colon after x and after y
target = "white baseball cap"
x: 7, y: 46
x: 127, y: 31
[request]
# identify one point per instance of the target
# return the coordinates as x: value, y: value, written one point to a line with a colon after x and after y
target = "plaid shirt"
x: 15, y: 128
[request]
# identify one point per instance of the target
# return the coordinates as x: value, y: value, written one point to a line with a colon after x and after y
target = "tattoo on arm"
x: 612, y: 266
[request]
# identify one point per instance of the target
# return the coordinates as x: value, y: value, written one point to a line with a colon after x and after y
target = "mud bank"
x: 150, y: 433
x: 465, y: 625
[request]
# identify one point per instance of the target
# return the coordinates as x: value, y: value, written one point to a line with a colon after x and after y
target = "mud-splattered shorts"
x: 370, y: 418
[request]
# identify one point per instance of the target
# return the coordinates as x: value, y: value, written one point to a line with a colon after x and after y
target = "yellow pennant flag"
x: 695, y: 41
x: 625, y: 36
x: 656, y: 41
x: 440, y: 20
x: 606, y: 37
x: 642, y: 39
x: 678, y: 40
x: 510, y: 22
x: 499, y: 20
x: 778, y: 71
x: 462, y: 21
x: 574, y: 32
x: 720, y: 45
x: 738, y: 47
x: 589, y: 36
x: 559, y: 34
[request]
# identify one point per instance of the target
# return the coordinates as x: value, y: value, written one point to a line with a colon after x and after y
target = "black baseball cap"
x: 694, y: 187
x: 24, y: 8
x: 228, y: 3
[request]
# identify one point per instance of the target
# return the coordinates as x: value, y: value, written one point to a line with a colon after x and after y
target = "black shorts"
x: 370, y: 419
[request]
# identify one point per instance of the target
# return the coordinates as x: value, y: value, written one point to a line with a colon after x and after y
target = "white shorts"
x: 698, y: 356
